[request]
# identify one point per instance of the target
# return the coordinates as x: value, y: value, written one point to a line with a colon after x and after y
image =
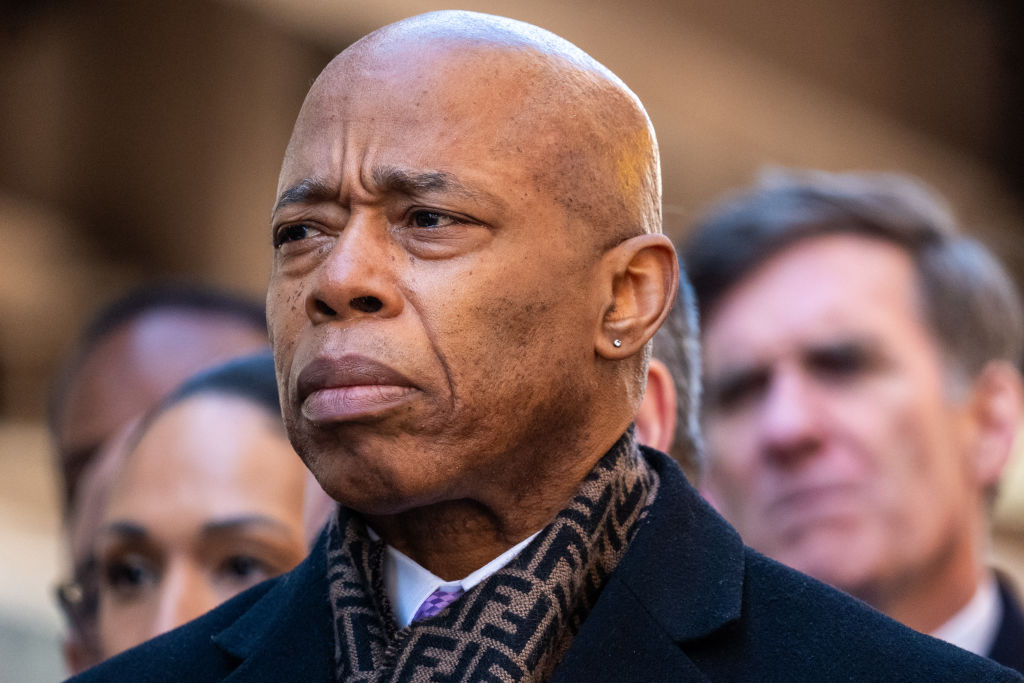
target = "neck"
x: 929, y: 599
x: 453, y: 538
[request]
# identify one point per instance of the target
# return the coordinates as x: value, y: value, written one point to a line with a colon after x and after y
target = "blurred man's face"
x: 429, y: 310
x: 135, y: 366
x: 836, y: 442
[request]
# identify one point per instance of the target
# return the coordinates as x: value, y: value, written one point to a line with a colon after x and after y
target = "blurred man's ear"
x: 656, y: 418
x: 995, y: 404
x: 642, y: 277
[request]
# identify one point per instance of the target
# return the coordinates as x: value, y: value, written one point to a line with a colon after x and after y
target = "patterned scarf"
x: 515, y: 625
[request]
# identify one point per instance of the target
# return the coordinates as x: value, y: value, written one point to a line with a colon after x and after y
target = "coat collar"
x: 686, y: 564
x: 294, y: 614
x: 682, y: 579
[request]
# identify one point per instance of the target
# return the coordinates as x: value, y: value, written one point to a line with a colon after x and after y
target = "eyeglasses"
x: 78, y: 597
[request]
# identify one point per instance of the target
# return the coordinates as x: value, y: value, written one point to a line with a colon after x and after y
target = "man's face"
x: 429, y: 310
x: 836, y: 444
x: 135, y: 366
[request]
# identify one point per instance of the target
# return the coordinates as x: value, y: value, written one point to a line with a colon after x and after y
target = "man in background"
x: 134, y: 352
x: 861, y: 394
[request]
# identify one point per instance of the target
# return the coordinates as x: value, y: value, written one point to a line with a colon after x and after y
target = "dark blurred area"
x: 142, y: 140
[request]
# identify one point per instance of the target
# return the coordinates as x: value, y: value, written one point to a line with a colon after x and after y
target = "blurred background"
x: 142, y: 139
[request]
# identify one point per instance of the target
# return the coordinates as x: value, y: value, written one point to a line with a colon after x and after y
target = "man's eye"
x: 431, y: 219
x: 840, y: 362
x: 730, y: 395
x: 292, y: 233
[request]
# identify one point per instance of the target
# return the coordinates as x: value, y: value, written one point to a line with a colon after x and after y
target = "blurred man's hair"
x: 969, y: 301
x: 249, y: 377
x: 677, y: 345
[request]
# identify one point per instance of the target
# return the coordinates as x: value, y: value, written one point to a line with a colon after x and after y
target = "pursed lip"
x: 349, y: 387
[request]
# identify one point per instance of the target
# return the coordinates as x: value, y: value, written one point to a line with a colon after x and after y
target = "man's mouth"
x: 350, y: 388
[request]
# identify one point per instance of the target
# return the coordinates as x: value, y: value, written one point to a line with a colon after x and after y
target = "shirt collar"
x: 974, y: 627
x: 408, y: 584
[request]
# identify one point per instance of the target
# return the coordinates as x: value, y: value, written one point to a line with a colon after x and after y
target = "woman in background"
x: 210, y: 500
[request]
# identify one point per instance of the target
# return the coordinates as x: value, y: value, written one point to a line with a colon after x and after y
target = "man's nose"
x: 790, y: 421
x: 358, y: 276
x: 184, y: 594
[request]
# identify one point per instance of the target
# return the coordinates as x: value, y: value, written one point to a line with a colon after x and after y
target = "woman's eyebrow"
x: 124, y: 528
x: 219, y: 526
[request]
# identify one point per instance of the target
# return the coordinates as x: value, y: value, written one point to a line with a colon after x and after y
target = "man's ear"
x: 642, y: 276
x: 656, y: 418
x: 996, y: 400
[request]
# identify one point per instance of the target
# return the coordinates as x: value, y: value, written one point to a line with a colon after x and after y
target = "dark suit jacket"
x: 1008, y: 649
x: 688, y: 602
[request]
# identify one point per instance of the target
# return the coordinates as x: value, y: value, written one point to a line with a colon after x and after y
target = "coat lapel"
x: 681, y: 580
x: 287, y: 634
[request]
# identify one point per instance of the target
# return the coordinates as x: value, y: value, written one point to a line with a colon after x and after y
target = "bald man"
x: 467, y: 275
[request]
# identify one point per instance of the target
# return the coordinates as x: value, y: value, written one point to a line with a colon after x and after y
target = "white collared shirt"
x: 974, y: 627
x: 408, y: 584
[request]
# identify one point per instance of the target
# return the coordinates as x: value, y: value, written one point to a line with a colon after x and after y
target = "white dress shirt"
x: 974, y: 627
x: 408, y: 584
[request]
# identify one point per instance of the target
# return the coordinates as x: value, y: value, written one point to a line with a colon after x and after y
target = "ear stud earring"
x: 617, y: 343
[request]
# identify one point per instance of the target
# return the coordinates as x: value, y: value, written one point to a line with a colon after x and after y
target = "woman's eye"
x: 245, y: 567
x: 127, y: 574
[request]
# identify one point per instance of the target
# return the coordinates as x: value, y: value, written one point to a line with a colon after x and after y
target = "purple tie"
x: 437, y: 601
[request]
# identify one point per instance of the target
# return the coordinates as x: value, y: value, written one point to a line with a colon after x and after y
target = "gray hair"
x: 969, y: 300
x: 677, y: 345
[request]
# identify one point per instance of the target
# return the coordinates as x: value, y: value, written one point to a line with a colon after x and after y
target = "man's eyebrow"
x: 404, y: 181
x: 387, y: 179
x: 731, y: 377
x: 306, y: 191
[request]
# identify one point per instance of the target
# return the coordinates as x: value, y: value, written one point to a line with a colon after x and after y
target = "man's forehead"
x: 404, y: 123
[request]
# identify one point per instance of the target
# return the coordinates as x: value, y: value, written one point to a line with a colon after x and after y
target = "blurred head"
x: 860, y: 390
x: 465, y: 223
x: 131, y: 355
x: 209, y: 500
x: 668, y: 418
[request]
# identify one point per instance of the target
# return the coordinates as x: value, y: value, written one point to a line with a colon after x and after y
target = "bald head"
x: 573, y: 127
x: 466, y: 213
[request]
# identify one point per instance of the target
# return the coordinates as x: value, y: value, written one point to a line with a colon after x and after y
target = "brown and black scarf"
x: 515, y: 625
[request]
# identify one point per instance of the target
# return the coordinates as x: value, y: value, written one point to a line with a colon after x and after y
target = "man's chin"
x: 377, y: 493
x: 840, y: 560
